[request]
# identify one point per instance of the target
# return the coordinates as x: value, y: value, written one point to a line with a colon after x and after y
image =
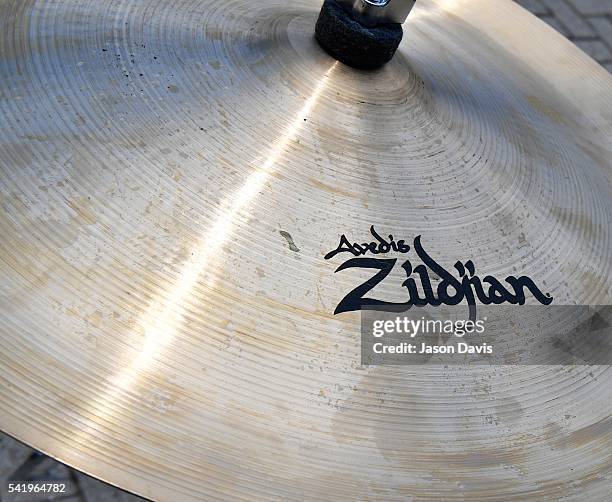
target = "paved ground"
x: 588, y: 23
x: 20, y: 464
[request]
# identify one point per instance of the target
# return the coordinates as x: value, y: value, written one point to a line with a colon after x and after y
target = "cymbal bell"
x: 173, y: 175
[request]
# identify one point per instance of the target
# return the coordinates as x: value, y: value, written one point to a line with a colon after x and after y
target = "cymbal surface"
x: 173, y: 174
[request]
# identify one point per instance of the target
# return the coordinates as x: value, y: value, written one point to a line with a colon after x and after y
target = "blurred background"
x: 19, y: 463
x: 587, y: 23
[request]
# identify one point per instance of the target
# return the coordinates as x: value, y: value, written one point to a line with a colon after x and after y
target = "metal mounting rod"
x: 375, y: 12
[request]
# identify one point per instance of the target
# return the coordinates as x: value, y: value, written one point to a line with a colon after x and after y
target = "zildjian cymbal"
x: 173, y: 176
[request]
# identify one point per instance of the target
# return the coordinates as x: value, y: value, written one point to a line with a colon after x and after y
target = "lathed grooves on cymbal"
x: 159, y: 331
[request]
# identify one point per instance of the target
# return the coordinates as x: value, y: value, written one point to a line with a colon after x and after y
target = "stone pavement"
x: 587, y: 23
x: 19, y: 463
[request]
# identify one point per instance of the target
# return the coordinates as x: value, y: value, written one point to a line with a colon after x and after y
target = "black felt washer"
x: 351, y: 42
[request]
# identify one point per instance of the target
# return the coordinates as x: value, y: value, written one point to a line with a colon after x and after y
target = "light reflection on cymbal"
x: 164, y: 316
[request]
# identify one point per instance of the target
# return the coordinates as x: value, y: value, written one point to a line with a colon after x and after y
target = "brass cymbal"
x: 173, y: 174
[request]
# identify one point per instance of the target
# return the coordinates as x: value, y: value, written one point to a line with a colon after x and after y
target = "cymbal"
x: 173, y: 175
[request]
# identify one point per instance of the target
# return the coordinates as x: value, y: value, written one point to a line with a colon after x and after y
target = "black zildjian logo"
x: 451, y: 290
